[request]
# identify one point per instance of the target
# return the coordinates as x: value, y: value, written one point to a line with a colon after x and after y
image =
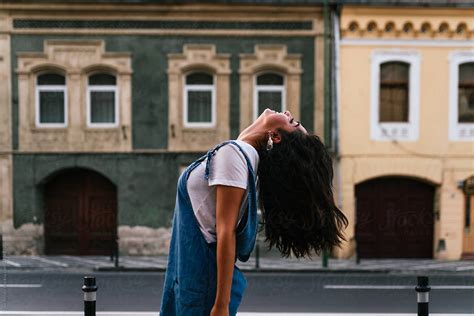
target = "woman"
x: 215, y: 219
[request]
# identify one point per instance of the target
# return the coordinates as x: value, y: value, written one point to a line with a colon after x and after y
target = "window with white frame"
x: 51, y: 107
x: 393, y: 92
x: 395, y: 95
x: 461, y: 96
x: 199, y: 100
x: 102, y: 101
x: 269, y: 93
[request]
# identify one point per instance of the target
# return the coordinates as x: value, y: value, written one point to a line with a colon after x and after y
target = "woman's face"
x: 273, y: 120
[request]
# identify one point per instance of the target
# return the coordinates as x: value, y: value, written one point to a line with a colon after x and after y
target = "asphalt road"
x: 266, y: 292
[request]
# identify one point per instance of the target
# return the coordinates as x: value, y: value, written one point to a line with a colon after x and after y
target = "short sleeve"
x: 228, y: 167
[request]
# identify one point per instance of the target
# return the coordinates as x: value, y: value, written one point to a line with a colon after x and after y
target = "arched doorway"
x: 80, y: 213
x: 394, y: 218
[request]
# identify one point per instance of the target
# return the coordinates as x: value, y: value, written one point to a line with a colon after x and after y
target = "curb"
x: 251, y: 270
x: 296, y: 271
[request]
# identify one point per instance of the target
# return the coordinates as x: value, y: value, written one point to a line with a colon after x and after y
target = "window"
x: 395, y: 95
x: 199, y: 100
x: 466, y: 93
x: 269, y: 77
x: 461, y: 96
x: 269, y: 93
x: 51, y: 109
x: 102, y: 107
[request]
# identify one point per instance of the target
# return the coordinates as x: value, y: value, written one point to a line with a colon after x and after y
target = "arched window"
x: 102, y: 101
x: 466, y: 93
x: 199, y: 100
x: 394, y: 92
x: 395, y: 95
x: 269, y: 93
x: 51, y: 109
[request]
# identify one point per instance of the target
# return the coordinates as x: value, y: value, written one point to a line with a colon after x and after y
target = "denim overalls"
x: 191, y: 275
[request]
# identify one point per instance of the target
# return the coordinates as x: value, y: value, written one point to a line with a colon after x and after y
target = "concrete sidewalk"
x: 266, y: 264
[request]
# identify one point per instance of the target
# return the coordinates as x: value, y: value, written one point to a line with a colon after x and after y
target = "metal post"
x: 116, y: 247
x: 89, y: 288
x: 325, y: 258
x: 422, y: 290
x: 257, y: 256
x: 1, y: 246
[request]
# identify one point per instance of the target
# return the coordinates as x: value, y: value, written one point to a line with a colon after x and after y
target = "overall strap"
x: 212, y: 152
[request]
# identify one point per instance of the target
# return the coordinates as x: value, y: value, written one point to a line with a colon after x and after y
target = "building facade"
x: 102, y: 104
x: 406, y: 130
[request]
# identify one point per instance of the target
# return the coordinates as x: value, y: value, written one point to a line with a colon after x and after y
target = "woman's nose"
x: 287, y: 113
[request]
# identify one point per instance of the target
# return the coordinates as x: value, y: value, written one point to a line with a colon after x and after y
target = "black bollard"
x: 89, y: 288
x: 257, y: 256
x: 422, y: 290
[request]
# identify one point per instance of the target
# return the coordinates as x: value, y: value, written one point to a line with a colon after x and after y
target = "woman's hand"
x: 220, y: 310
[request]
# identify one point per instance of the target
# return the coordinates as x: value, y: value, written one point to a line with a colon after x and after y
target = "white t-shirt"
x: 228, y: 167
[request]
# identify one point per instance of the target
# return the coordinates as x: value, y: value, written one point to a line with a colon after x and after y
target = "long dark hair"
x: 299, y: 214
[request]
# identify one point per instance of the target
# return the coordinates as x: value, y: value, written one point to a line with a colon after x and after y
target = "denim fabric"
x: 191, y: 275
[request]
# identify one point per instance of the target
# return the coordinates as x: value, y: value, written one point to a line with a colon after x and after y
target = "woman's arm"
x: 228, y: 200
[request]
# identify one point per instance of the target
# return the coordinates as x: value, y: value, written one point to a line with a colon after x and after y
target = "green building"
x: 102, y: 103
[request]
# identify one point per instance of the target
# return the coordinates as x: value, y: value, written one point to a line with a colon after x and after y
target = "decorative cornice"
x: 406, y: 28
x: 404, y: 23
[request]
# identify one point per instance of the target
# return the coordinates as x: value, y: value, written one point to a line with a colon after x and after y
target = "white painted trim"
x: 102, y: 88
x: 455, y: 128
x: 268, y: 88
x: 395, y: 131
x: 50, y: 88
x: 195, y: 87
x: 407, y: 42
x: 133, y: 313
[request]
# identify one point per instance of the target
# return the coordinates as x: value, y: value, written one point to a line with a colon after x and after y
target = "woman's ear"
x: 276, y: 137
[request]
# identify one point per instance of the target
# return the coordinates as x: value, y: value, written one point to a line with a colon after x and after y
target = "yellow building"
x: 406, y: 129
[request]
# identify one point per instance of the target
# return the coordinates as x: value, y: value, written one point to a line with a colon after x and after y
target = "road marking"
x: 21, y: 285
x: 435, y: 265
x: 394, y: 287
x: 91, y: 262
x: 64, y: 313
x: 466, y: 268
x: 138, y: 263
x: 12, y: 263
x: 53, y: 262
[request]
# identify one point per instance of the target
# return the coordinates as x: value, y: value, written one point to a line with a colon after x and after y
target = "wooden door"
x: 394, y: 218
x: 80, y: 208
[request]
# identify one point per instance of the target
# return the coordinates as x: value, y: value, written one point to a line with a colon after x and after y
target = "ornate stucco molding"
x: 76, y: 60
x: 197, y: 57
x: 271, y: 58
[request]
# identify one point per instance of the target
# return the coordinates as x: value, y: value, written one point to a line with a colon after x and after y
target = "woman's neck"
x: 254, y: 136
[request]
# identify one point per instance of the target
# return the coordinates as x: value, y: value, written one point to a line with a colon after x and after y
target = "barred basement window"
x: 199, y: 100
x: 51, y: 108
x: 394, y: 92
x: 466, y: 93
x: 269, y: 93
x: 102, y: 101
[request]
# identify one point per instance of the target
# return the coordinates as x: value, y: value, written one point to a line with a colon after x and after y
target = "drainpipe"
x: 336, y: 109
x: 327, y: 93
x: 336, y: 82
x: 327, y: 74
